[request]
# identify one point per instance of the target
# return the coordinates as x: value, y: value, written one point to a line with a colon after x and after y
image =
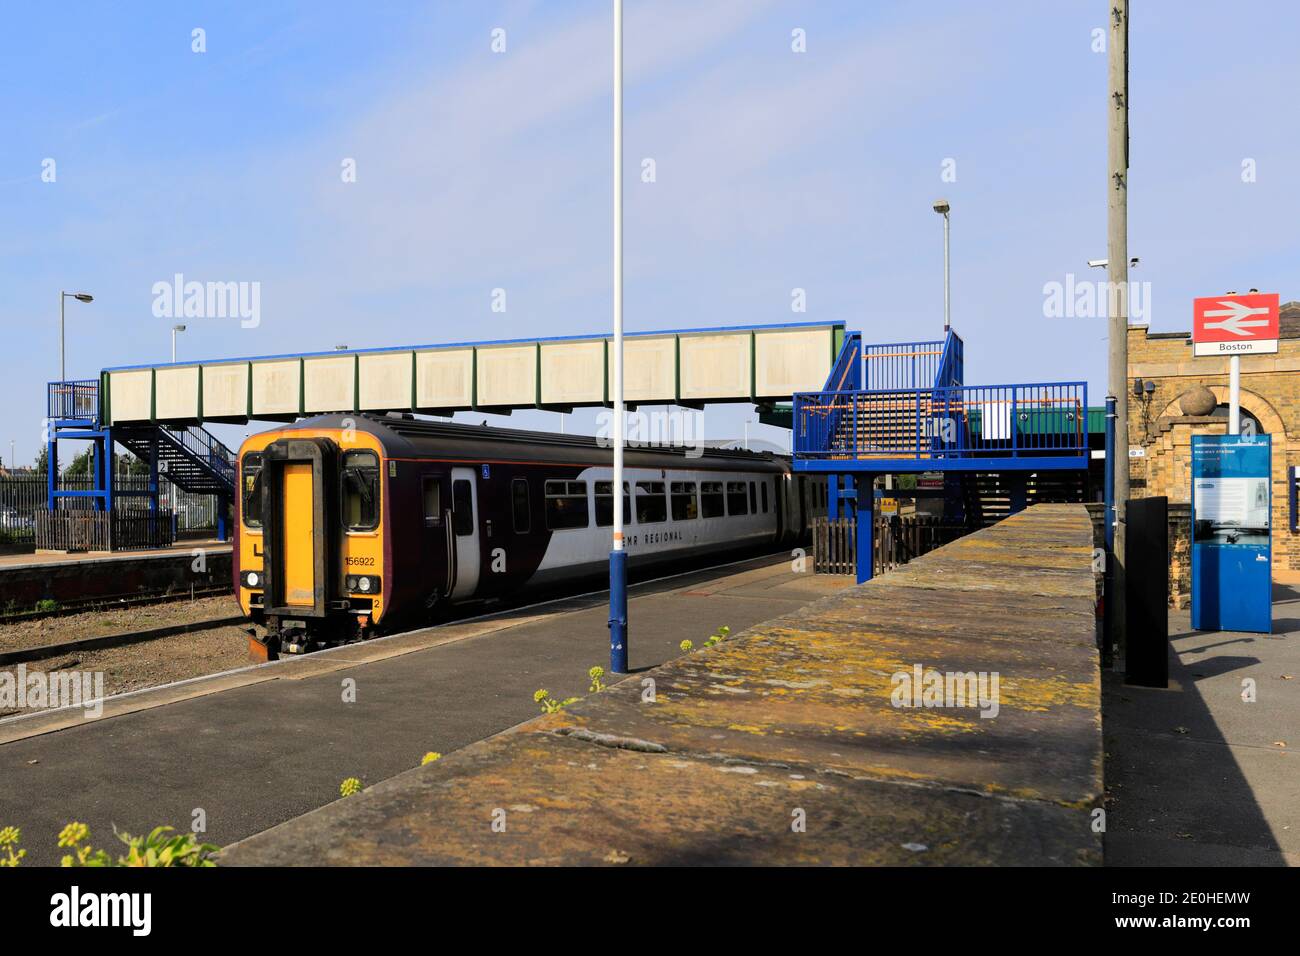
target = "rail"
x: 77, y: 400
x: 907, y: 365
x: 975, y: 421
x: 204, y: 446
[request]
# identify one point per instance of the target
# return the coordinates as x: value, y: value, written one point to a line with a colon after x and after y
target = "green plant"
x: 597, y: 685
x: 718, y: 636
x: 349, y: 787
x: 550, y: 704
x: 46, y: 605
x: 9, y: 839
x: 162, y: 847
x: 686, y: 646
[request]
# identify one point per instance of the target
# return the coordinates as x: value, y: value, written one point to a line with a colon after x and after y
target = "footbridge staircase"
x: 900, y: 408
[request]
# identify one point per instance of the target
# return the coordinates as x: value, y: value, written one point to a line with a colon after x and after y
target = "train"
x: 351, y: 526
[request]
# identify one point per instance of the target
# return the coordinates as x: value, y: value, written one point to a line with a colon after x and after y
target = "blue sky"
x: 479, y: 170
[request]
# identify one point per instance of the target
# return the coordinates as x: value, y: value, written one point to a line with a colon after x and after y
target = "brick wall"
x: 1270, y: 390
x: 1180, y: 549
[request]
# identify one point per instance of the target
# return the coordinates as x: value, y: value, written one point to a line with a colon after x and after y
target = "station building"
x: 1173, y: 395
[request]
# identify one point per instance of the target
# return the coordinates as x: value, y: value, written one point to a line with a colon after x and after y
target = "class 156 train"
x: 354, y: 525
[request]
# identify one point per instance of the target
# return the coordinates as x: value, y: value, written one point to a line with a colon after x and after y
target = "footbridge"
x: 876, y: 409
x: 158, y: 411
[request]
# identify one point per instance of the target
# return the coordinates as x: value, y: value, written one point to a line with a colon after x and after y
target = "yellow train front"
x: 310, y: 541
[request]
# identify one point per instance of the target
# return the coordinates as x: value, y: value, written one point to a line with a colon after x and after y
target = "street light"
x: 175, y: 329
x: 941, y: 207
x: 80, y: 297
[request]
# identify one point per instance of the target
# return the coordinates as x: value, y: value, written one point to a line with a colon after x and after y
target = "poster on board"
x: 1232, y: 555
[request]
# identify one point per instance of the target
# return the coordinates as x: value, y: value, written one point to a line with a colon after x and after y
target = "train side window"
x: 251, y: 507
x: 711, y: 500
x: 462, y: 507
x: 605, y: 504
x: 360, y: 491
x: 753, y: 499
x: 736, y: 500
x: 650, y: 503
x: 431, y: 495
x: 685, y: 507
x: 566, y: 504
x: 762, y: 493
x: 519, y: 505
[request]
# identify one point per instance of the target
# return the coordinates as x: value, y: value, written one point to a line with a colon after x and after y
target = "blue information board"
x: 1232, y: 553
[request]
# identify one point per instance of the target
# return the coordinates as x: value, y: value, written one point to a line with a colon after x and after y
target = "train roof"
x: 406, y: 436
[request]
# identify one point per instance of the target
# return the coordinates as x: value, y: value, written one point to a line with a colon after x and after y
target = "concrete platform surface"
x: 73, y: 579
x: 1197, y: 775
x: 258, y: 746
x: 41, y: 558
x: 784, y: 744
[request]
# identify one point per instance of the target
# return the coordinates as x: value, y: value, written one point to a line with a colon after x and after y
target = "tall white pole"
x: 63, y: 376
x: 618, y: 642
x: 618, y: 275
x: 173, y: 346
x: 1234, y: 395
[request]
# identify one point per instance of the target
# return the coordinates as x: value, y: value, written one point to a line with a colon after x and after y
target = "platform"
x: 83, y: 578
x: 791, y: 722
x: 258, y: 746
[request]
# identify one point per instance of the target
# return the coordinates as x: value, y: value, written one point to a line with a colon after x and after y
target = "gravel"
x: 135, y: 666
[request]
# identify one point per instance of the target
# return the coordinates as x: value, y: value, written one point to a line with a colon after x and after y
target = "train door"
x: 299, y: 535
x: 464, y: 539
x: 297, y: 501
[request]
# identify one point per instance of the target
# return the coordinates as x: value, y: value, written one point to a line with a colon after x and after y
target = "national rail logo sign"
x: 1235, y: 324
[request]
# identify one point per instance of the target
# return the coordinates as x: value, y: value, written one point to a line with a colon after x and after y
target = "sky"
x: 479, y: 169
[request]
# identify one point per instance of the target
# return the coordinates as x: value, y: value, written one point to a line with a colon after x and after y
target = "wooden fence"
x: 897, y: 540
x: 104, y: 530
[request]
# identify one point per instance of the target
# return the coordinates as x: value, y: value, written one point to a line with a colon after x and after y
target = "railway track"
x: 111, y: 603
x: 45, y: 651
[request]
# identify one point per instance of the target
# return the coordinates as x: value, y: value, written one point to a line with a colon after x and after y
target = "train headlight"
x: 252, y: 579
x: 362, y: 583
x: 351, y: 582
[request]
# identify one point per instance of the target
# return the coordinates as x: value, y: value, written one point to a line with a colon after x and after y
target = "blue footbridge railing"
x: 1039, y: 425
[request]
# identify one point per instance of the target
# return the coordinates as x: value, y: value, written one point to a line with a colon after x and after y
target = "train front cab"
x: 311, y: 538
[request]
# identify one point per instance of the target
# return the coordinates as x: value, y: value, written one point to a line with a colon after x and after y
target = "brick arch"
x: 1260, y: 407
x: 1252, y: 402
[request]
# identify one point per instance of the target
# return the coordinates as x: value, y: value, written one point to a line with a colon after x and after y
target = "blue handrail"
x: 78, y: 400
x: 974, y: 421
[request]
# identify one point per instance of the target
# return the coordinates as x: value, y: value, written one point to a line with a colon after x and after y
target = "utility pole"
x: 1117, y: 274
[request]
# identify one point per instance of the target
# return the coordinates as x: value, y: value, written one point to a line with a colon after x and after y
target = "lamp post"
x: 175, y: 329
x: 942, y: 207
x: 617, y: 556
x: 80, y: 297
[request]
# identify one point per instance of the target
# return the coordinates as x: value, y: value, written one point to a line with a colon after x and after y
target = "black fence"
x: 897, y: 539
